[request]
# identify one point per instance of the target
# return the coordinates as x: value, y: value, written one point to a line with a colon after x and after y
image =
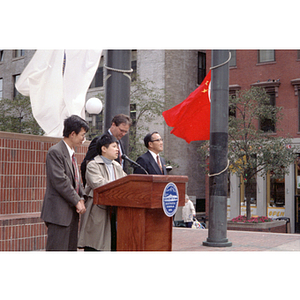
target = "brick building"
x: 278, y: 71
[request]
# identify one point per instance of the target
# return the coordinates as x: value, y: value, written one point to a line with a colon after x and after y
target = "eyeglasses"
x: 158, y: 140
x: 122, y: 130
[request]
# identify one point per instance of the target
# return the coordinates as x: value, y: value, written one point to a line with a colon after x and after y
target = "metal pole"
x: 117, y: 87
x: 117, y: 101
x: 217, y: 226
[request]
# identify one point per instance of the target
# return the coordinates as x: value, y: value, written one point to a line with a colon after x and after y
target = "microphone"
x: 124, y: 156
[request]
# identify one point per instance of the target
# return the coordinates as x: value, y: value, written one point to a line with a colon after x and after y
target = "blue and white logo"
x: 170, y: 199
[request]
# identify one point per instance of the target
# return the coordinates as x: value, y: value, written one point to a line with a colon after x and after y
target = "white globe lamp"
x: 94, y: 107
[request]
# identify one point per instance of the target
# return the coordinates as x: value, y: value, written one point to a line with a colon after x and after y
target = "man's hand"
x: 80, y: 207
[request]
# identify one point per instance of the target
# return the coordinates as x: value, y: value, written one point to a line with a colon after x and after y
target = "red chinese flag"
x: 191, y: 118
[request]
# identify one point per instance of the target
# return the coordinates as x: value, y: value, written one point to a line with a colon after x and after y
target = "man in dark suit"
x: 120, y: 125
x: 151, y: 161
x: 64, y: 197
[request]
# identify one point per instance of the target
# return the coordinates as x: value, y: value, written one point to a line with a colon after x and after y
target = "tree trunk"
x: 248, y: 208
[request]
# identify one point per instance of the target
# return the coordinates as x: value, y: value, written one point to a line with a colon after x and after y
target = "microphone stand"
x: 124, y: 156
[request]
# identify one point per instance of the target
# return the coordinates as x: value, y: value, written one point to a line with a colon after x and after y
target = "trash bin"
x: 288, y: 223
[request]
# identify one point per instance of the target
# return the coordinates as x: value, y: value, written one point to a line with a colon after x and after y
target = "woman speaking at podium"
x: 95, y: 228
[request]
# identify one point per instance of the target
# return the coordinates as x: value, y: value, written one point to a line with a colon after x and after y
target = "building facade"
x: 12, y: 63
x: 178, y: 72
x: 278, y: 71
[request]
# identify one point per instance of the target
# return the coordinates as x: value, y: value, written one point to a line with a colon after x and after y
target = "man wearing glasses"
x: 151, y: 160
x: 120, y: 125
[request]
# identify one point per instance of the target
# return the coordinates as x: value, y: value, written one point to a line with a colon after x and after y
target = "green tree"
x: 147, y: 104
x: 16, y: 116
x: 252, y: 150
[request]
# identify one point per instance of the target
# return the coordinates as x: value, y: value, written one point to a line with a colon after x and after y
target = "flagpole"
x: 218, y: 160
x: 117, y: 101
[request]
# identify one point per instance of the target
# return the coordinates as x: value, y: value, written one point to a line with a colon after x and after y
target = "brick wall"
x: 22, y: 188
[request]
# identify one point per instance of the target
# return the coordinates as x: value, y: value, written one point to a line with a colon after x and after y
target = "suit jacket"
x: 148, y: 162
x: 92, y: 152
x: 61, y: 197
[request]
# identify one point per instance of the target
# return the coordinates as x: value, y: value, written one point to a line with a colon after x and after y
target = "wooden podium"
x: 141, y: 222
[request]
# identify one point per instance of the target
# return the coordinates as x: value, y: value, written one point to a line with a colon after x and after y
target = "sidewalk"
x: 191, y: 240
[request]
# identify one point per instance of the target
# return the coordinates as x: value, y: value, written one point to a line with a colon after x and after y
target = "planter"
x: 279, y: 226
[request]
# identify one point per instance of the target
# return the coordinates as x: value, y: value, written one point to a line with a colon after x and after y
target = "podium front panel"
x: 145, y: 230
x: 142, y: 224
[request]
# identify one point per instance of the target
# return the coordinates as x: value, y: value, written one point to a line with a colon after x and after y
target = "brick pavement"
x: 191, y: 240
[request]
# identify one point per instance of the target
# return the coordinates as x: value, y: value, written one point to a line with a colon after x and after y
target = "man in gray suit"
x: 64, y: 197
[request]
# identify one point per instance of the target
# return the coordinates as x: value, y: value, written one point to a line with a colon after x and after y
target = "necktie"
x: 76, y: 173
x: 158, y: 162
x: 119, y: 155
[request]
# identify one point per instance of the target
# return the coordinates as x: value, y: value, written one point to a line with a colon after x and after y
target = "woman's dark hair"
x: 74, y: 123
x: 105, y: 140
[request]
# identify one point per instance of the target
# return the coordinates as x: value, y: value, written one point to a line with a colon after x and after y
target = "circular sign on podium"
x: 170, y: 199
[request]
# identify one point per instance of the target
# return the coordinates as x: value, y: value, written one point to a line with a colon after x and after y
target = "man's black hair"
x: 148, y: 138
x: 74, y: 123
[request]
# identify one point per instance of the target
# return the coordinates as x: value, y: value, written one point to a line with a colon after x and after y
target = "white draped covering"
x: 55, y: 96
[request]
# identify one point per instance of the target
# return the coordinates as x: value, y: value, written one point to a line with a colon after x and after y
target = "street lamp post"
x: 94, y: 107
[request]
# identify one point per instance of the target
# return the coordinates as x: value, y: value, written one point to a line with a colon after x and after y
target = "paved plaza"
x: 185, y: 239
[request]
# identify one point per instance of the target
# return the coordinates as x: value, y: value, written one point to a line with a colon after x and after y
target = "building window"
x: 296, y: 84
x: 201, y: 66
x: 275, y: 191
x: 233, y: 90
x: 133, y: 64
x: 132, y: 128
x: 271, y: 87
x: 1, y: 88
x: 297, y: 193
x: 232, y: 62
x: 267, y: 125
x: 133, y: 112
x: 15, y: 79
x: 232, y: 107
x: 298, y: 54
x: 266, y: 56
x: 18, y: 53
x: 298, y: 111
x: 95, y: 123
x: 1, y: 55
x: 98, y: 78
